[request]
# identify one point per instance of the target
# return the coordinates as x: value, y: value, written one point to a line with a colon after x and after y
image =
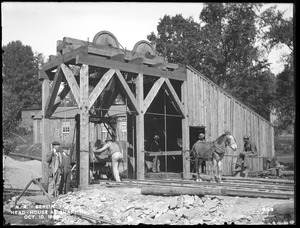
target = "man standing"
x: 250, y: 151
x: 54, y: 160
x: 114, y: 153
x: 64, y: 186
x: 155, y: 148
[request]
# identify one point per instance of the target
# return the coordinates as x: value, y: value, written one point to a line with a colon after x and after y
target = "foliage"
x: 8, y: 146
x: 279, y: 33
x: 10, y: 109
x: 223, y: 48
x: 21, y: 87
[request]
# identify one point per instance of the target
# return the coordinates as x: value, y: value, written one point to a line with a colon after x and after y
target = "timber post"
x: 185, y: 133
x: 140, y: 128
x: 46, y: 131
x: 84, y: 127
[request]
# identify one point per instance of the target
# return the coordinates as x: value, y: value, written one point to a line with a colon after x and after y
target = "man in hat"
x: 64, y: 186
x: 155, y: 148
x: 54, y: 160
x: 250, y: 151
x: 115, y: 154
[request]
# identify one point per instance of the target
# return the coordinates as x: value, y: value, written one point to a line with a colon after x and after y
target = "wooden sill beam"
x: 129, y: 67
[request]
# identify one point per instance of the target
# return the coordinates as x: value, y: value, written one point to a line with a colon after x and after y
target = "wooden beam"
x: 100, y: 86
x: 127, y: 92
x: 185, y: 133
x: 110, y: 101
x: 65, y: 58
x: 72, y: 83
x: 137, y: 60
x: 140, y: 138
x: 61, y: 96
x: 184, y: 190
x: 129, y: 67
x: 46, y: 136
x: 152, y: 93
x: 173, y: 96
x: 53, y: 91
x: 118, y: 57
x: 84, y: 127
x: 164, y: 153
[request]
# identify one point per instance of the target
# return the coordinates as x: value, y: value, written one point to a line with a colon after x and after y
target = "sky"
x: 41, y: 24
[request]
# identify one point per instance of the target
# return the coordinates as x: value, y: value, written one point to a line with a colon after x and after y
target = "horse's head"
x: 230, y: 141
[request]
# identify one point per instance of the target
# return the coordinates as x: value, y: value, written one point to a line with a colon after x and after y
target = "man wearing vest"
x: 64, y: 186
x: 114, y: 153
x: 54, y: 160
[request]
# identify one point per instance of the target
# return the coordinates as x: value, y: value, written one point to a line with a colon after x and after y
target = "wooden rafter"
x: 152, y: 93
x: 111, y: 100
x: 100, y: 86
x: 174, y: 98
x: 65, y: 58
x: 61, y: 96
x: 72, y: 83
x: 53, y: 92
x: 127, y: 92
x: 129, y: 67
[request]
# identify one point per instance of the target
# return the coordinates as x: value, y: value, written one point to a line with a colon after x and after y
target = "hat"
x: 55, y: 143
x: 108, y: 138
x: 66, y: 147
x: 156, y: 136
x: 201, y: 135
x: 246, y: 137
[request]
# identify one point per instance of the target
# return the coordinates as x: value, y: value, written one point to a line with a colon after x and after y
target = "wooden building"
x: 167, y: 99
x: 63, y: 125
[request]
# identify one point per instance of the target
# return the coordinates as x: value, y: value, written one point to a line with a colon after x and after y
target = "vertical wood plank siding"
x: 211, y: 106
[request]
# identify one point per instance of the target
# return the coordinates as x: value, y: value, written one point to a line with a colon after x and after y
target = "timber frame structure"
x: 98, y: 72
x: 82, y: 65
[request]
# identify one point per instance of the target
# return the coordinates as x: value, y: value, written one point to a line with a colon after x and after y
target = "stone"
x: 160, y: 207
x: 196, y: 220
x: 188, y: 200
x: 180, y: 202
x: 191, y: 212
x: 173, y: 203
x: 165, y: 218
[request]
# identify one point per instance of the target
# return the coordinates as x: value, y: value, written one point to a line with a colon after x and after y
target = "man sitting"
x: 250, y: 151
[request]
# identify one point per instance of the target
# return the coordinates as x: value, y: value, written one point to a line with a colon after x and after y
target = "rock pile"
x: 128, y: 206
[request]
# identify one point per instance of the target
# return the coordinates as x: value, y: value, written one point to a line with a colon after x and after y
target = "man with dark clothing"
x: 64, y: 186
x: 250, y: 151
x: 54, y: 160
x: 155, y: 148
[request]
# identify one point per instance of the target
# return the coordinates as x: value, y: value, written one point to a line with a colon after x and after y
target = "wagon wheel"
x: 145, y: 47
x: 106, y: 38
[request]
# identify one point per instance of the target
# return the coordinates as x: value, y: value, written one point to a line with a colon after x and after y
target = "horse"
x: 213, y: 152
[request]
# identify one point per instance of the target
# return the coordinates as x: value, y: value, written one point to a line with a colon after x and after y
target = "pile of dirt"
x: 17, y: 174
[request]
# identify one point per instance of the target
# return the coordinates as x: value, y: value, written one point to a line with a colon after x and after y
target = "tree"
x: 276, y: 32
x: 20, y: 84
x: 222, y: 47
